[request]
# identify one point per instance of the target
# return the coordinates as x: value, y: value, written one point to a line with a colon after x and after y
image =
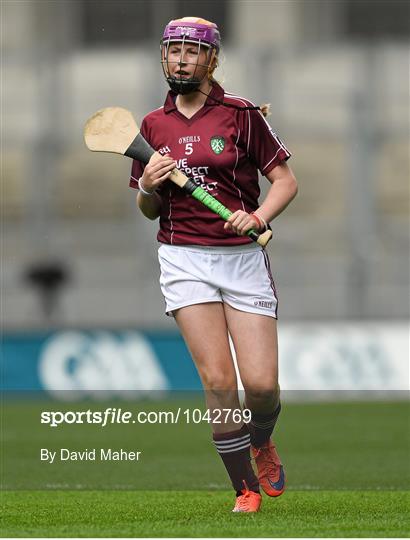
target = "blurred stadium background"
x: 78, y: 263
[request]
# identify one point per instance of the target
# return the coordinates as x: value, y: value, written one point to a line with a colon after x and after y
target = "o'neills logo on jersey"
x: 217, y: 144
x: 189, y: 139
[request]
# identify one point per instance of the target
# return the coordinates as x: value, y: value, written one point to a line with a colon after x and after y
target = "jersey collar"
x: 217, y: 92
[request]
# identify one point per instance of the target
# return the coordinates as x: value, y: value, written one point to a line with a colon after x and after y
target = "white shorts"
x: 237, y: 275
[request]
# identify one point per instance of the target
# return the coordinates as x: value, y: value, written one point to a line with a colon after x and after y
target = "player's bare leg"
x: 204, y: 329
x: 256, y: 346
x: 205, y: 332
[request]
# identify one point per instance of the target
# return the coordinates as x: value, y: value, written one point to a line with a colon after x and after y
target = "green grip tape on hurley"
x: 202, y: 196
x: 210, y: 202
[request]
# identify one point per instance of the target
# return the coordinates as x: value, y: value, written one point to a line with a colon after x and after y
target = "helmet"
x: 189, y: 30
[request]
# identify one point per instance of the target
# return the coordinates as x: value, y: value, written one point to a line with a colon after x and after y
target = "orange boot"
x: 249, y: 501
x: 271, y: 474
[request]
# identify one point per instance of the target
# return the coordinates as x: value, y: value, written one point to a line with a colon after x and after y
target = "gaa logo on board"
x: 99, y: 365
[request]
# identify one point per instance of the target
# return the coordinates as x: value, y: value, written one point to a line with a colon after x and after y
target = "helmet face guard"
x: 185, y: 32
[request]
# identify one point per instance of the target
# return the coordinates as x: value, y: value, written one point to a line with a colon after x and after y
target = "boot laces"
x: 272, y: 467
x: 243, y: 500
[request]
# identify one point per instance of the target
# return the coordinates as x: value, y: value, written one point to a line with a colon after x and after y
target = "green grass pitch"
x: 347, y: 466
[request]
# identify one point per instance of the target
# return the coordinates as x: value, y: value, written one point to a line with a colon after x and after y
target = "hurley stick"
x: 114, y: 130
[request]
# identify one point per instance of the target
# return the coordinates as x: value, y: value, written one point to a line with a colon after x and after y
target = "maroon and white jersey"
x: 221, y: 149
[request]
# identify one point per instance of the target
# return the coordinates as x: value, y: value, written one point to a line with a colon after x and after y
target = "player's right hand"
x: 157, y: 171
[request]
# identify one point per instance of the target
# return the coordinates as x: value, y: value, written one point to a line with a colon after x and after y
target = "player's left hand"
x: 241, y: 222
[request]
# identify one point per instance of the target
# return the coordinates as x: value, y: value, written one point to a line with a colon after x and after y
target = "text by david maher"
x: 94, y: 454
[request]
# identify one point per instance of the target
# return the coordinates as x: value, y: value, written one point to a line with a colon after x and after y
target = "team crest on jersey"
x: 217, y: 144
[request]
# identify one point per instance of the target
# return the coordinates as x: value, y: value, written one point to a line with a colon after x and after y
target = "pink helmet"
x: 193, y: 30
x: 189, y: 30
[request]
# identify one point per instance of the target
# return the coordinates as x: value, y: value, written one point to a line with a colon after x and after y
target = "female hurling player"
x: 215, y: 280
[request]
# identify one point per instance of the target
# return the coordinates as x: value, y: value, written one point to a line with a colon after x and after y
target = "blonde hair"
x: 265, y: 109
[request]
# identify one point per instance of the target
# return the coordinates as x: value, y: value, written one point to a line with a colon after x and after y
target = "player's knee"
x: 217, y: 380
x: 261, y: 392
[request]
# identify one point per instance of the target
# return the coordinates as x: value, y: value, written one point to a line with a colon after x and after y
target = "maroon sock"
x: 261, y: 426
x: 234, y: 449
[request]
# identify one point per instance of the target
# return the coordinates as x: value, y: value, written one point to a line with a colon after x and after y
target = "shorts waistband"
x: 220, y: 250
